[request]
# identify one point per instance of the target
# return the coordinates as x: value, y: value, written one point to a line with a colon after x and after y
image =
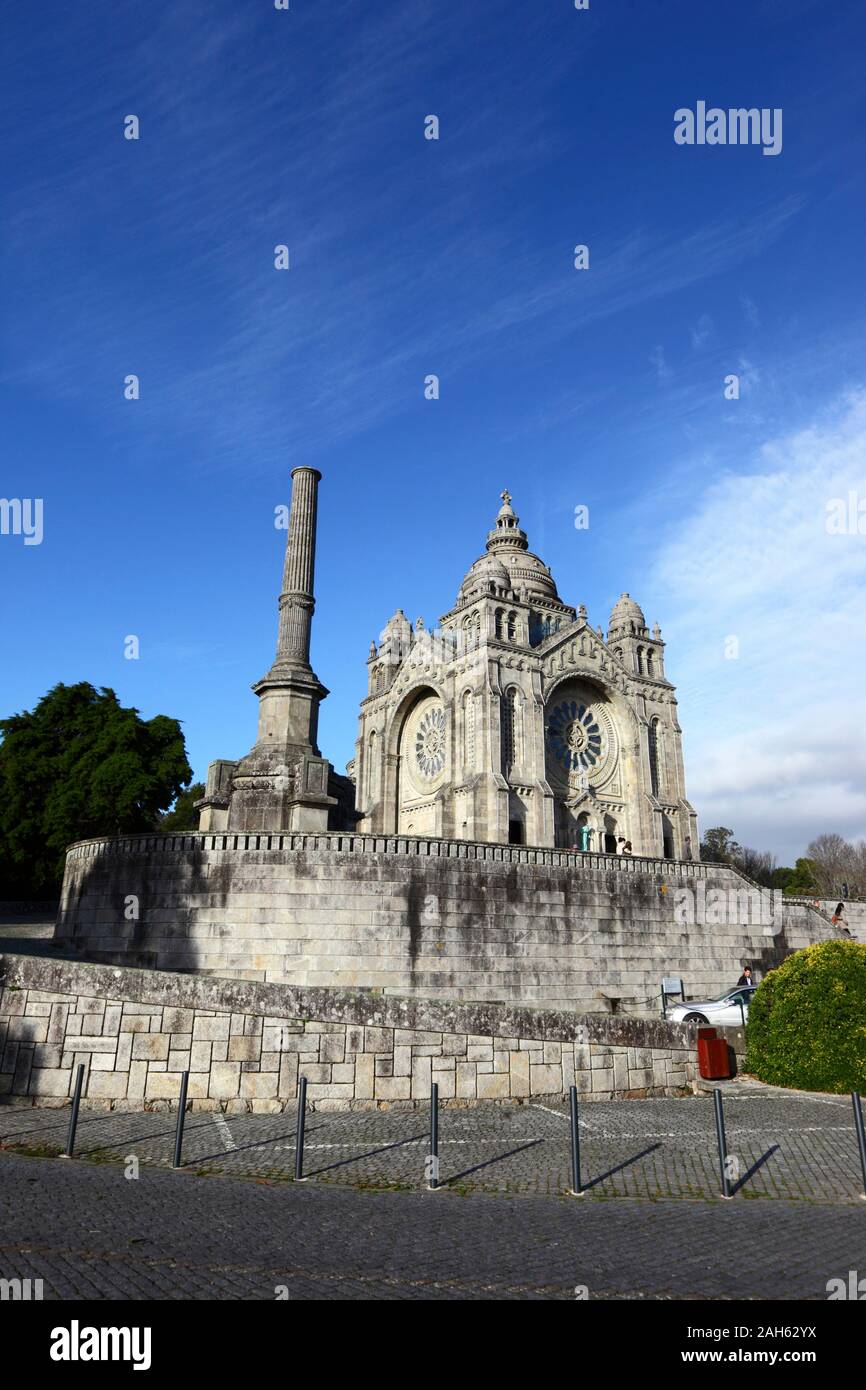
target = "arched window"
x: 497, y: 620
x: 511, y: 729
x: 649, y: 662
x: 372, y: 768
x: 654, y: 756
x: 512, y: 626
x: 618, y: 653
x: 638, y: 656
x: 471, y: 624
x: 468, y: 730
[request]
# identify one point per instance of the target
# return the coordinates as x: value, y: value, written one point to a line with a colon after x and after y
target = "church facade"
x: 517, y: 722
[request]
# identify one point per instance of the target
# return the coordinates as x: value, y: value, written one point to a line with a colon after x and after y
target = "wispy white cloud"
x: 702, y: 331
x: 658, y: 362
x: 774, y: 738
x: 295, y: 362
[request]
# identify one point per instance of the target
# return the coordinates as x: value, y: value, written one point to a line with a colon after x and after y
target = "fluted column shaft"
x: 296, y: 600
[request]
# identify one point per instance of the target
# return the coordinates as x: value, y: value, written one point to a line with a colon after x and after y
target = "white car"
x: 724, y: 1012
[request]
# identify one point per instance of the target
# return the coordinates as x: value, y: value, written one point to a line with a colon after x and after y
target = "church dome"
x: 532, y: 575
x: 509, y: 563
x: 626, y: 617
x: 486, y: 571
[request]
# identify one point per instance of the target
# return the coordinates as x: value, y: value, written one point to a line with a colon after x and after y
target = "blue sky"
x: 602, y: 387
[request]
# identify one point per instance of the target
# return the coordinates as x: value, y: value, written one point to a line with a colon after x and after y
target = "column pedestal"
x: 282, y: 783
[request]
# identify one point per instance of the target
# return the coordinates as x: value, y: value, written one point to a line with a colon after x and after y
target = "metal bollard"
x: 576, y: 1185
x: 73, y: 1118
x: 433, y: 1157
x: 861, y: 1137
x: 723, y: 1143
x: 181, y: 1112
x: 299, y: 1137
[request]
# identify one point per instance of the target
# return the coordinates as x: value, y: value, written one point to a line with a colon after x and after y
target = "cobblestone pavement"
x: 787, y: 1147
x: 88, y: 1232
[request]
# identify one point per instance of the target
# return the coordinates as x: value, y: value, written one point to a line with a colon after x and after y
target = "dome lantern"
x: 506, y: 534
x: 509, y: 566
x: 626, y: 619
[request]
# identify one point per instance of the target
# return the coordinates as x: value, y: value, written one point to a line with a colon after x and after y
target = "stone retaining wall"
x: 443, y: 919
x: 244, y: 1044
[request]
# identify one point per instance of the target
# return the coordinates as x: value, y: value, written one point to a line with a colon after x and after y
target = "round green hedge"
x: 807, y: 1021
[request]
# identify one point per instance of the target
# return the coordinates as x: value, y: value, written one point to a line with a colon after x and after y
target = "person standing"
x: 746, y: 977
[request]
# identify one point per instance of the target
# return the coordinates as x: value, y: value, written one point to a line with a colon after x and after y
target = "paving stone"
x: 178, y: 1236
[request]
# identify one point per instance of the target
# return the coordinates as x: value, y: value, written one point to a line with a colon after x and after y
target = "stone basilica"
x: 442, y: 868
x: 514, y: 722
x: 517, y: 722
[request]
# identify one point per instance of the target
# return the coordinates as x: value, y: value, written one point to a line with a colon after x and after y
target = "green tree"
x: 719, y: 846
x: 801, y: 883
x: 76, y: 766
x: 183, y: 815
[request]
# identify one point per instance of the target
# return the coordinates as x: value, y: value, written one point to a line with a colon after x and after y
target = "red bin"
x: 713, y: 1057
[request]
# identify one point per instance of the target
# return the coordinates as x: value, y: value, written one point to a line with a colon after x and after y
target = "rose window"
x: 574, y: 736
x: 430, y: 743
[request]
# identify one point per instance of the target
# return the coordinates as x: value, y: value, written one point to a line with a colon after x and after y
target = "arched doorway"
x: 667, y: 838
x: 422, y: 752
x: 574, y: 829
x: 516, y: 820
x: 582, y: 759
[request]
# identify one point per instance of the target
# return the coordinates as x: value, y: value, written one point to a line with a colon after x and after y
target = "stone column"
x: 296, y: 599
x: 282, y: 784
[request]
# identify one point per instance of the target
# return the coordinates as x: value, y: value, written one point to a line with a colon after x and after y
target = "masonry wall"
x: 245, y: 1043
x: 437, y: 918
